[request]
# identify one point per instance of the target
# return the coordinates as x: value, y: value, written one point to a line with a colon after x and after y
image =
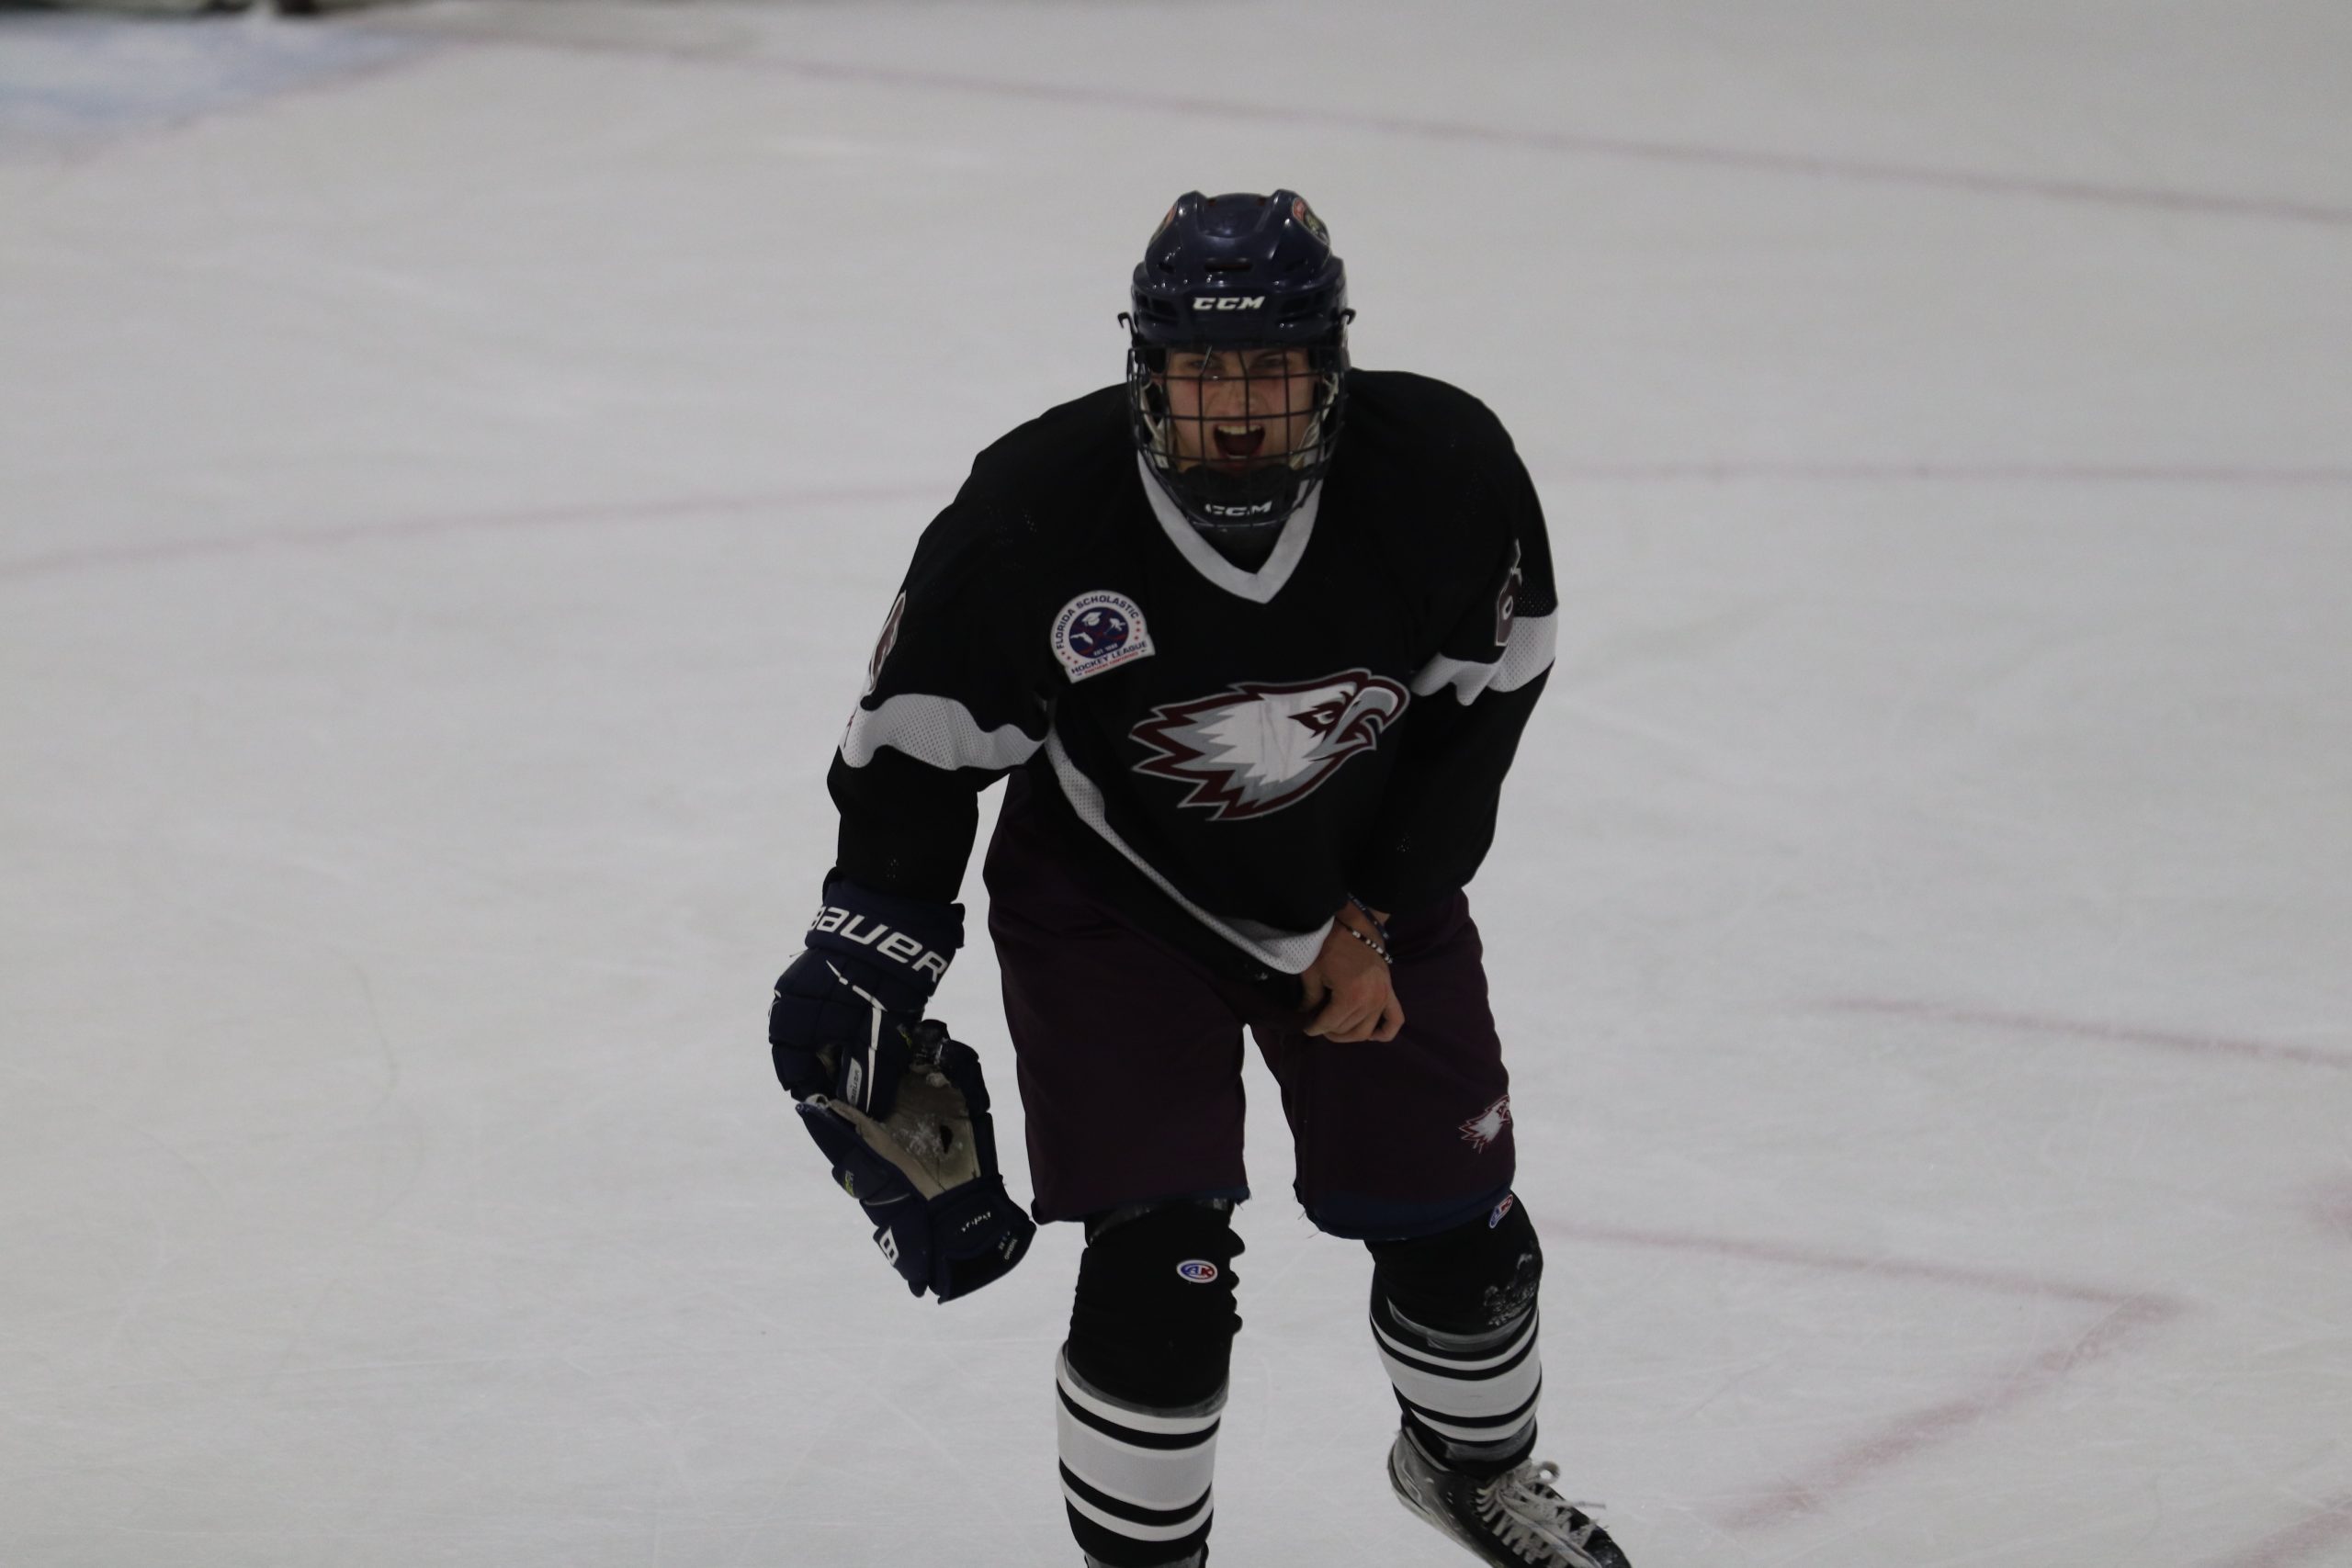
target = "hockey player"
x: 1254, y: 635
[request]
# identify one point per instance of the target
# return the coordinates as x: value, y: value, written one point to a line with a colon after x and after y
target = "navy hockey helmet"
x: 1237, y: 358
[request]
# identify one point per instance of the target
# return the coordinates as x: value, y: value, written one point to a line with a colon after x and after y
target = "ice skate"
x: 1515, y: 1519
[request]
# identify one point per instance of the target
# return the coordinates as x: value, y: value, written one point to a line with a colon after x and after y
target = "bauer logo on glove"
x: 926, y: 1172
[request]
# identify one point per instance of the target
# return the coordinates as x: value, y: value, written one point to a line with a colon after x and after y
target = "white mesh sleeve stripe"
x: 940, y: 731
x: 1533, y: 643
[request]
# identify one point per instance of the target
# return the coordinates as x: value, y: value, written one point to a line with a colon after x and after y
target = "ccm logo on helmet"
x: 1229, y: 303
x: 1216, y: 510
x: 896, y: 946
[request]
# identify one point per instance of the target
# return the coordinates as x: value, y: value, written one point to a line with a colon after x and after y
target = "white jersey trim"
x: 1259, y: 586
x: 940, y: 731
x: 1533, y: 642
x: 1290, y: 952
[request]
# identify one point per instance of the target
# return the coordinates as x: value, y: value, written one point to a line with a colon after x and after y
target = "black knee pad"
x: 1154, y: 1320
x: 1471, y: 1278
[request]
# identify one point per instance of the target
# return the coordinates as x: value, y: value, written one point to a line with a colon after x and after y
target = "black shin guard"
x: 1142, y: 1382
x: 1454, y: 1317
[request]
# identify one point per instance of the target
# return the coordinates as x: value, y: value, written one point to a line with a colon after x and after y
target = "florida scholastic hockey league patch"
x: 1098, y: 631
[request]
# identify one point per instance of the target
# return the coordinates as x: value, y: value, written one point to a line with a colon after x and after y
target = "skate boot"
x: 1514, y: 1521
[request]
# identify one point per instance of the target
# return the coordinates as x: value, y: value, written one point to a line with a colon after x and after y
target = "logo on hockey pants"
x: 1199, y: 1270
x: 1500, y: 1209
x: 1257, y: 747
x: 1482, y: 1129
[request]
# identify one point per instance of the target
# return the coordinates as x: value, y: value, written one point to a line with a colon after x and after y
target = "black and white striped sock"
x: 1470, y: 1397
x: 1138, y: 1481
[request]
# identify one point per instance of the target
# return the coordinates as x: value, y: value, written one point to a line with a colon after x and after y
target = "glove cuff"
x: 897, y: 948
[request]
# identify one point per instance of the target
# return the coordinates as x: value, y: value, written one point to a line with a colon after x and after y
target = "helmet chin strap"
x: 1259, y: 501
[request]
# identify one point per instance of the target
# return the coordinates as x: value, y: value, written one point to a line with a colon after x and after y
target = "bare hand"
x: 1349, y: 983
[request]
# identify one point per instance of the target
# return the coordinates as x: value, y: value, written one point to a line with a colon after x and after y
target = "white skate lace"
x: 1533, y: 1521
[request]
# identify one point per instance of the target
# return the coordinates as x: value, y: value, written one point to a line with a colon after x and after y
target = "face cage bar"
x: 1275, y: 481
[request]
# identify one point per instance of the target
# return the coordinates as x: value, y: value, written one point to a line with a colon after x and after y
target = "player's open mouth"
x: 1237, y: 444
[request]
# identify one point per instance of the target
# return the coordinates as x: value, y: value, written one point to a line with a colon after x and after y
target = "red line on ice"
x: 2299, y: 1543
x: 2123, y: 1315
x: 1906, y: 1435
x: 2091, y: 1029
x: 141, y: 553
x: 1694, y: 154
x: 2330, y: 1207
x: 2229, y: 475
x: 1993, y: 1282
x: 1666, y: 471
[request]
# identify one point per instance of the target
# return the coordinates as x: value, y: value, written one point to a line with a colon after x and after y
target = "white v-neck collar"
x: 1259, y: 586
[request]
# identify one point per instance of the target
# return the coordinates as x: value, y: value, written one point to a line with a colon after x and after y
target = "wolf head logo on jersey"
x: 1258, y: 746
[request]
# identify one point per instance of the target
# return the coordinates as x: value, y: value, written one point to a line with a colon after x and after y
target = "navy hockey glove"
x: 926, y: 1173
x: 842, y: 1009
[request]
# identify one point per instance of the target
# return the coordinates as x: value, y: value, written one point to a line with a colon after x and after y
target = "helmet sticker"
x: 1098, y: 631
x: 1199, y: 1270
x: 1307, y: 221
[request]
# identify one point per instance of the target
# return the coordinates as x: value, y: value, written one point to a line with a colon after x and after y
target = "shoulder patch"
x: 1098, y: 631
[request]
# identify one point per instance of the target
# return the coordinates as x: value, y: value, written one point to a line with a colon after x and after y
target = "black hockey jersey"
x: 1244, y: 749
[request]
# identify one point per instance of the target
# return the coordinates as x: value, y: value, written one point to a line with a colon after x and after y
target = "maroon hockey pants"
x: 1129, y: 1055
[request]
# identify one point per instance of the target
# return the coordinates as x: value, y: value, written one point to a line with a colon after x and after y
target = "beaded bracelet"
x: 1375, y: 947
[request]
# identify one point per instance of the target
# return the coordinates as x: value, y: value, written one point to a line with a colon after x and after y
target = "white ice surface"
x: 453, y: 463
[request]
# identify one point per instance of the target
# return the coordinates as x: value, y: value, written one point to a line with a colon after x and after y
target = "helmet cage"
x: 1238, y: 435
